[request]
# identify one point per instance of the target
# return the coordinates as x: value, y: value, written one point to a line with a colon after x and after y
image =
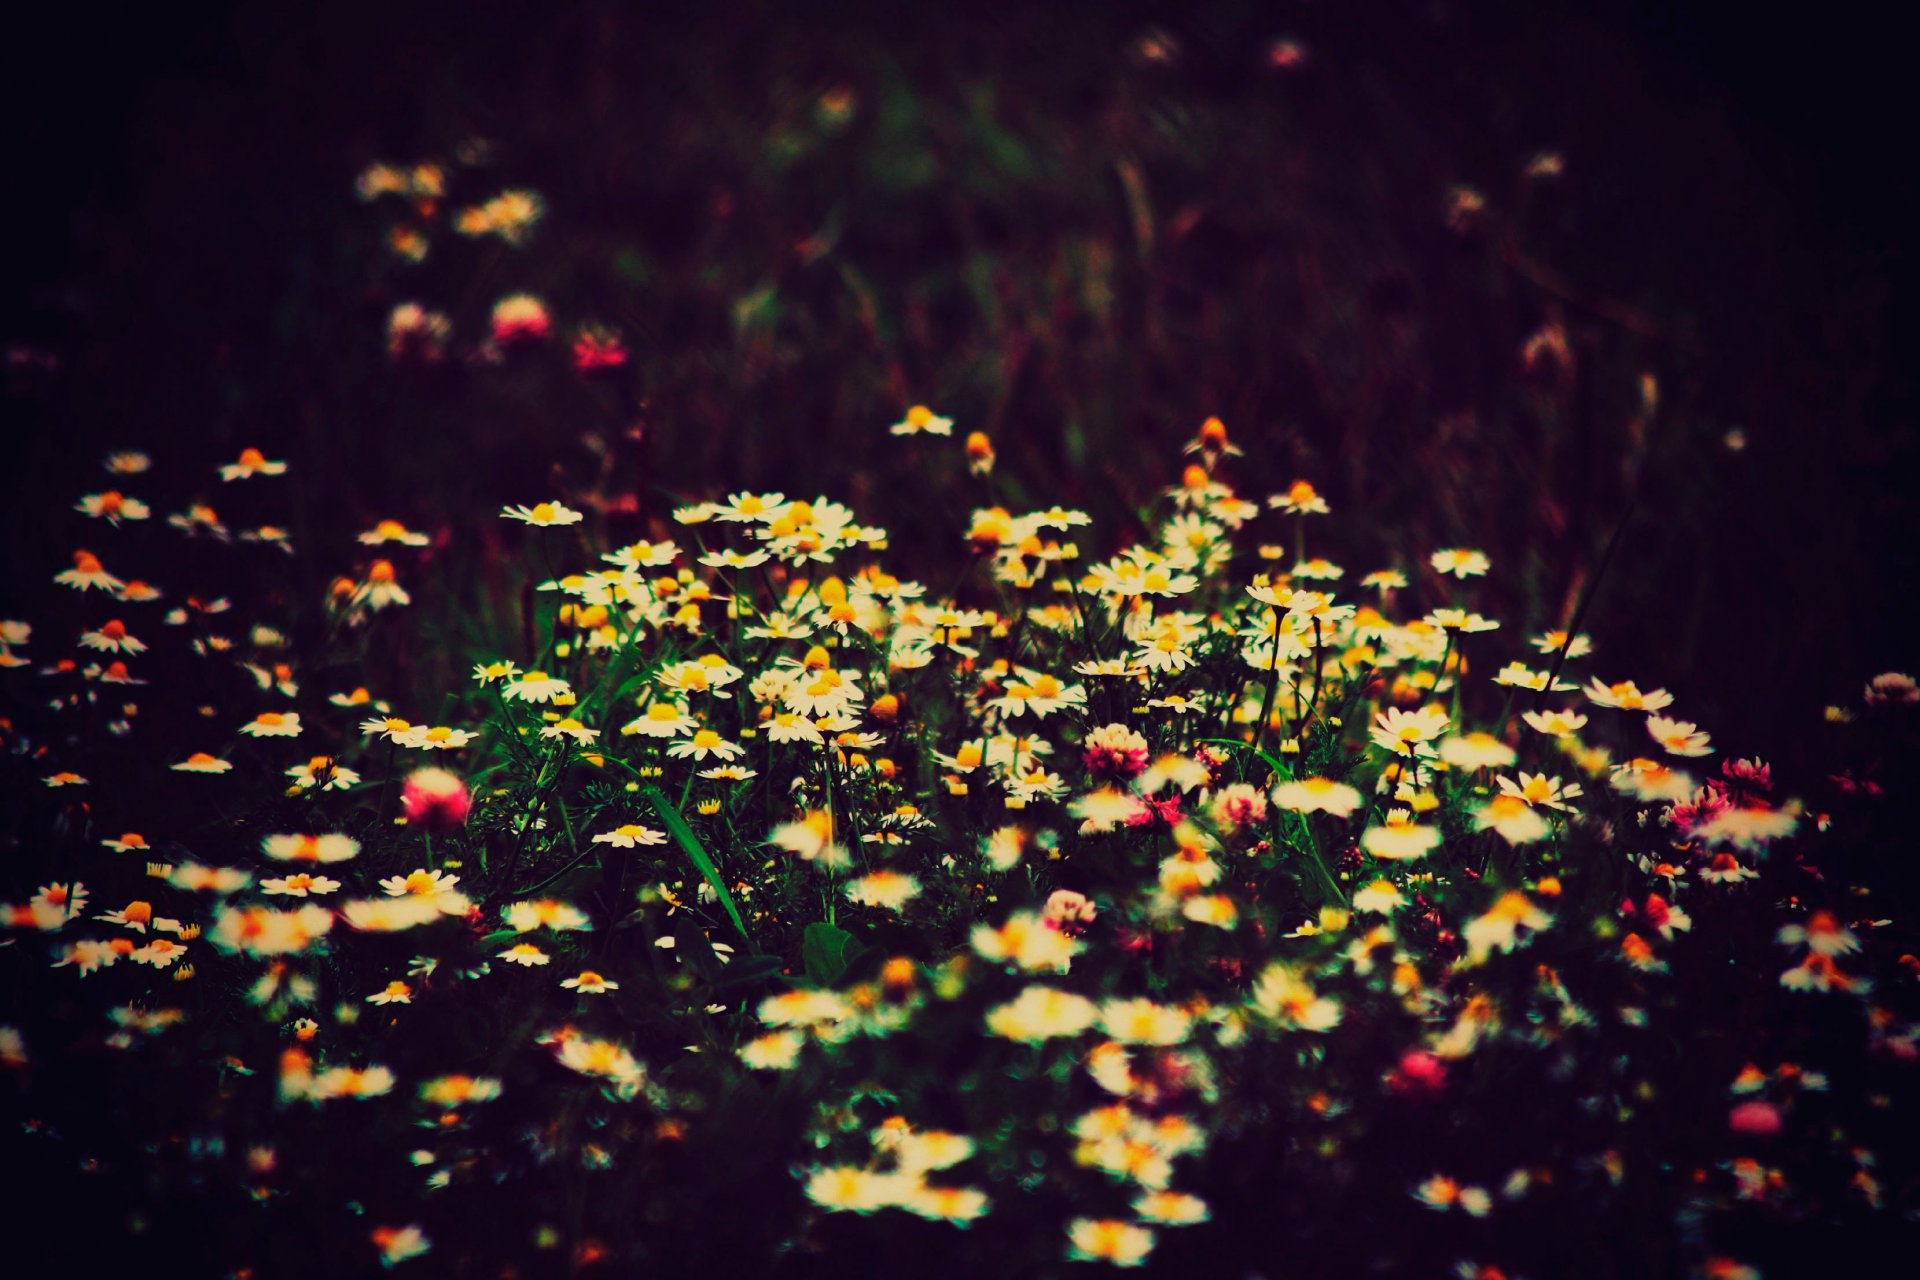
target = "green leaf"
x: 747, y: 971
x: 677, y: 827
x: 827, y: 950
x: 1285, y: 773
x: 695, y: 951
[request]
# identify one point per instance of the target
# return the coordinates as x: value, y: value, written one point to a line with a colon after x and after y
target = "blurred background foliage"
x: 1081, y: 228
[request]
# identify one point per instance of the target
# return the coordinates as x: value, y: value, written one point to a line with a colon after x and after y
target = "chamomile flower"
x: 921, y: 419
x: 88, y: 574
x: 1540, y: 791
x: 536, y: 686
x: 393, y: 531
x: 543, y: 514
x: 589, y: 983
x: 1472, y: 751
x: 889, y: 889
x: 705, y: 743
x: 1042, y: 1013
x: 1400, y: 838
x: 113, y: 507
x: 1460, y: 562
x: 1512, y: 817
x: 1627, y: 696
x: 1678, y: 737
x: 438, y: 737
x: 630, y: 835
x: 333, y: 847
x: 1555, y: 724
x: 201, y: 762
x: 1114, y: 1241
x: 251, y: 463
x: 299, y: 886
x: 1323, y: 794
x: 1409, y: 733
x: 1300, y: 499
x: 273, y: 724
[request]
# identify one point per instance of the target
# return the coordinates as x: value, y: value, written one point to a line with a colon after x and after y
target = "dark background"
x: 182, y: 239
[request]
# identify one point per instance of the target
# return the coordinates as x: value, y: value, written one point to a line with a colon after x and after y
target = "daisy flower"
x: 1309, y: 794
x: 333, y: 847
x: 251, y: 463
x: 1300, y: 499
x: 520, y: 317
x: 1555, y: 724
x: 728, y: 558
x: 1111, y: 1240
x: 1381, y: 898
x: 1042, y: 1013
x: 1173, y: 1208
x: 703, y: 744
x: 1512, y: 817
x: 1039, y: 693
x: 536, y: 686
x: 393, y: 531
x: 750, y: 508
x: 851, y: 1189
x: 1144, y: 1022
x: 438, y: 738
x: 535, y: 913
x: 889, y: 889
x: 570, y: 728
x: 299, y: 886
x: 135, y: 916
x: 643, y: 555
x: 662, y: 720
x: 526, y: 955
x: 1516, y: 675
x: 775, y: 1051
x: 486, y: 673
x: 1822, y: 934
x: 201, y: 762
x: 273, y: 724
x: 589, y: 983
x: 1539, y: 790
x: 113, y: 507
x: 1460, y: 562
x: 1747, y: 827
x: 259, y: 931
x: 1476, y: 751
x: 159, y: 953
x: 1409, y: 733
x: 1554, y: 641
x: 922, y: 419
x: 131, y: 842
x: 1497, y: 930
x: 1627, y: 696
x: 544, y: 514
x: 1678, y: 737
x: 87, y: 574
x: 392, y: 728
x: 1400, y: 838
x: 395, y: 992
x: 382, y: 588
x: 421, y: 884
x: 128, y: 462
x: 630, y: 835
